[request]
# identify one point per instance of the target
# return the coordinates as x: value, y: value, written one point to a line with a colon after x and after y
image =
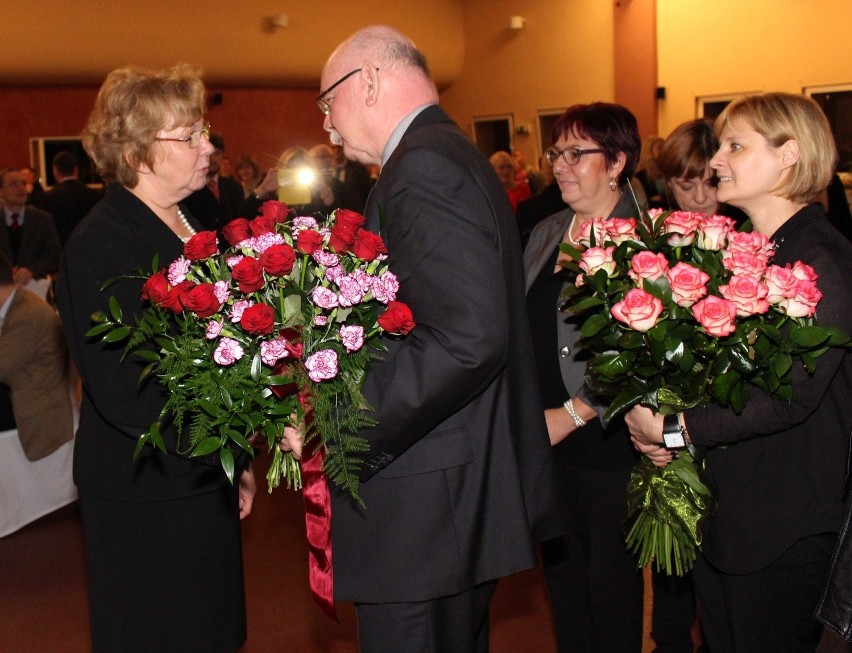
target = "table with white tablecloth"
x: 32, y: 489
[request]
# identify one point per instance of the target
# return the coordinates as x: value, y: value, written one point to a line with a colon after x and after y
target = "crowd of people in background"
x: 596, y: 166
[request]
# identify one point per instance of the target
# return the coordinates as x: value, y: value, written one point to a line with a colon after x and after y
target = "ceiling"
x: 67, y: 42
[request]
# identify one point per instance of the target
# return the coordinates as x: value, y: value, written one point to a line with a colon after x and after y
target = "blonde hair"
x: 781, y: 117
x: 132, y: 106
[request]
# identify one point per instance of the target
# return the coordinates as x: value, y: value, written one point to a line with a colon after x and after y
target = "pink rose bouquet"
x: 279, y: 326
x: 683, y: 310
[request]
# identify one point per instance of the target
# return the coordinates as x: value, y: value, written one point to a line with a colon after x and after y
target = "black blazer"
x: 40, y: 248
x: 459, y: 480
x: 119, y: 235
x: 68, y: 202
x: 213, y: 214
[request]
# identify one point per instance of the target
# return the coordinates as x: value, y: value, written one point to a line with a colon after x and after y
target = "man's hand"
x: 292, y: 441
x: 246, y: 491
x: 21, y: 275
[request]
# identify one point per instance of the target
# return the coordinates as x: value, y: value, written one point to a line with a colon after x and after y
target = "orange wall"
x: 259, y: 121
x: 635, y: 31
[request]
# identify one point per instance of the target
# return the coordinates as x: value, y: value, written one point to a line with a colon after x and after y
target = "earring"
x: 613, y: 185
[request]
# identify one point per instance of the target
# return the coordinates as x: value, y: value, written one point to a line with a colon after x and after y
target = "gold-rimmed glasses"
x: 194, y: 137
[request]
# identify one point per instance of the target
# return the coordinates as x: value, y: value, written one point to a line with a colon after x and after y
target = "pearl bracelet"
x: 569, y: 406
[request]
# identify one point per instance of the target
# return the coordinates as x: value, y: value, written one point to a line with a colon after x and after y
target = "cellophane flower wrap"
x: 280, y: 326
x: 682, y: 310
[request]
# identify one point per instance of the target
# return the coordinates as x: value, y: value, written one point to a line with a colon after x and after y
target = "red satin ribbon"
x: 318, y: 529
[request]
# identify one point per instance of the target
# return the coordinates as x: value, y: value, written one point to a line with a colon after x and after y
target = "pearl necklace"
x: 571, y: 240
x: 186, y: 226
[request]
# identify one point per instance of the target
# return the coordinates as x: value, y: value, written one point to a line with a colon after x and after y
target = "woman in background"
x: 504, y: 166
x: 248, y: 174
x: 777, y: 470
x: 594, y: 582
x: 162, y: 532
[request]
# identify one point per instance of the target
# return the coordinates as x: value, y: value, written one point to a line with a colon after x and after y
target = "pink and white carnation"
x: 744, y: 263
x: 639, y: 309
x: 322, y: 365
x: 620, y: 230
x: 263, y: 242
x: 326, y: 259
x: 802, y: 302
x: 237, y: 309
x: 681, y: 227
x: 384, y: 287
x: 222, y: 291
x: 320, y: 320
x: 214, y: 328
x: 362, y: 278
x: 228, y: 352
x: 648, y: 265
x: 232, y: 261
x: 596, y: 226
x: 304, y: 222
x: 780, y: 283
x: 688, y: 283
x: 595, y: 259
x: 178, y: 269
x: 350, y: 291
x: 352, y: 337
x: 747, y: 293
x: 713, y: 232
x: 324, y: 298
x: 335, y: 273
x: 271, y: 351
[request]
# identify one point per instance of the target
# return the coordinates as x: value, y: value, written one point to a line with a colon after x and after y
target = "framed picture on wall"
x: 546, y: 119
x: 836, y: 103
x: 493, y: 133
x: 710, y: 106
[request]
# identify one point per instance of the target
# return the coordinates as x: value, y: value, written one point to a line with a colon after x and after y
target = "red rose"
x: 201, y: 300
x: 201, y: 246
x: 309, y: 241
x: 262, y: 225
x: 346, y: 225
x: 174, y: 302
x: 258, y: 319
x: 368, y: 245
x: 248, y: 273
x: 236, y: 231
x: 397, y: 318
x: 156, y: 288
x: 293, y: 341
x: 278, y: 260
x: 275, y: 210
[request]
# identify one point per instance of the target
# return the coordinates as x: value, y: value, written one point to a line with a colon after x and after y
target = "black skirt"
x: 165, y: 576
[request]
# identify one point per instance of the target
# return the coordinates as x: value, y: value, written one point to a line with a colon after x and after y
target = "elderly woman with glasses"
x: 594, y: 583
x: 163, y: 547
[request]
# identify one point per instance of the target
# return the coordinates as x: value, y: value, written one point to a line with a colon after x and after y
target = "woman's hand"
x: 645, y: 425
x: 246, y: 492
x: 292, y: 440
x: 656, y: 453
x: 560, y: 424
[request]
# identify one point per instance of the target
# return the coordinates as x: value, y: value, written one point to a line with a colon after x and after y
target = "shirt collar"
x: 399, y: 130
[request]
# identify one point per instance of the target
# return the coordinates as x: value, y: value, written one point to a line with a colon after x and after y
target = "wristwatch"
x: 674, y: 435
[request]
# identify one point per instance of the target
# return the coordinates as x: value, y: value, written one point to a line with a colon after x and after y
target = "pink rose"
x: 322, y: 365
x: 802, y: 302
x: 713, y: 232
x: 688, y: 283
x: 716, y: 316
x: 747, y: 293
x: 648, y: 265
x: 598, y: 258
x: 780, y: 282
x: 596, y: 227
x: 639, y: 310
x: 744, y: 263
x: 804, y: 272
x: 352, y: 337
x: 750, y: 243
x: 681, y: 226
x: 619, y: 230
x: 228, y: 351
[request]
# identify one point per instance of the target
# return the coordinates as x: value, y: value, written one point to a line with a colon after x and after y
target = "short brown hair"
x: 132, y: 106
x: 687, y: 151
x: 781, y: 117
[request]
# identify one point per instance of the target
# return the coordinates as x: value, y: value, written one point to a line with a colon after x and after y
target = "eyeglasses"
x: 194, y: 138
x: 325, y: 104
x: 570, y: 155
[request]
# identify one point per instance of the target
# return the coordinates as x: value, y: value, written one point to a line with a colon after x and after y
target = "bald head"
x: 370, y: 83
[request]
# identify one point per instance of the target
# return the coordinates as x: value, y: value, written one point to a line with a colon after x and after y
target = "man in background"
x: 69, y: 200
x: 219, y: 201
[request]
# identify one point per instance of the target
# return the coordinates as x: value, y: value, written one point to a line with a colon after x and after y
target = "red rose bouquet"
x: 683, y: 311
x: 279, y: 327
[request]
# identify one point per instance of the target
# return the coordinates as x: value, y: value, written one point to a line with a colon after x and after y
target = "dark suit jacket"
x: 40, y: 247
x: 119, y: 235
x: 213, y: 214
x: 68, y: 202
x: 459, y: 480
x: 34, y: 363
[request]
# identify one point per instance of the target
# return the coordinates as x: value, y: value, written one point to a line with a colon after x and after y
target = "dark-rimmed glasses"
x: 325, y: 105
x: 194, y: 138
x: 570, y: 155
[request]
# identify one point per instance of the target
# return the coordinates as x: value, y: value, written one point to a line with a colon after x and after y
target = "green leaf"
x: 227, y: 460
x: 256, y: 366
x: 781, y: 364
x: 626, y: 399
x: 593, y: 325
x: 148, y: 355
x: 809, y: 336
x: 99, y: 329
x: 115, y: 309
x: 206, y: 446
x: 119, y: 334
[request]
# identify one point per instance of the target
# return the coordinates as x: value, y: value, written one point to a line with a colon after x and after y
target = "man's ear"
x: 370, y: 75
